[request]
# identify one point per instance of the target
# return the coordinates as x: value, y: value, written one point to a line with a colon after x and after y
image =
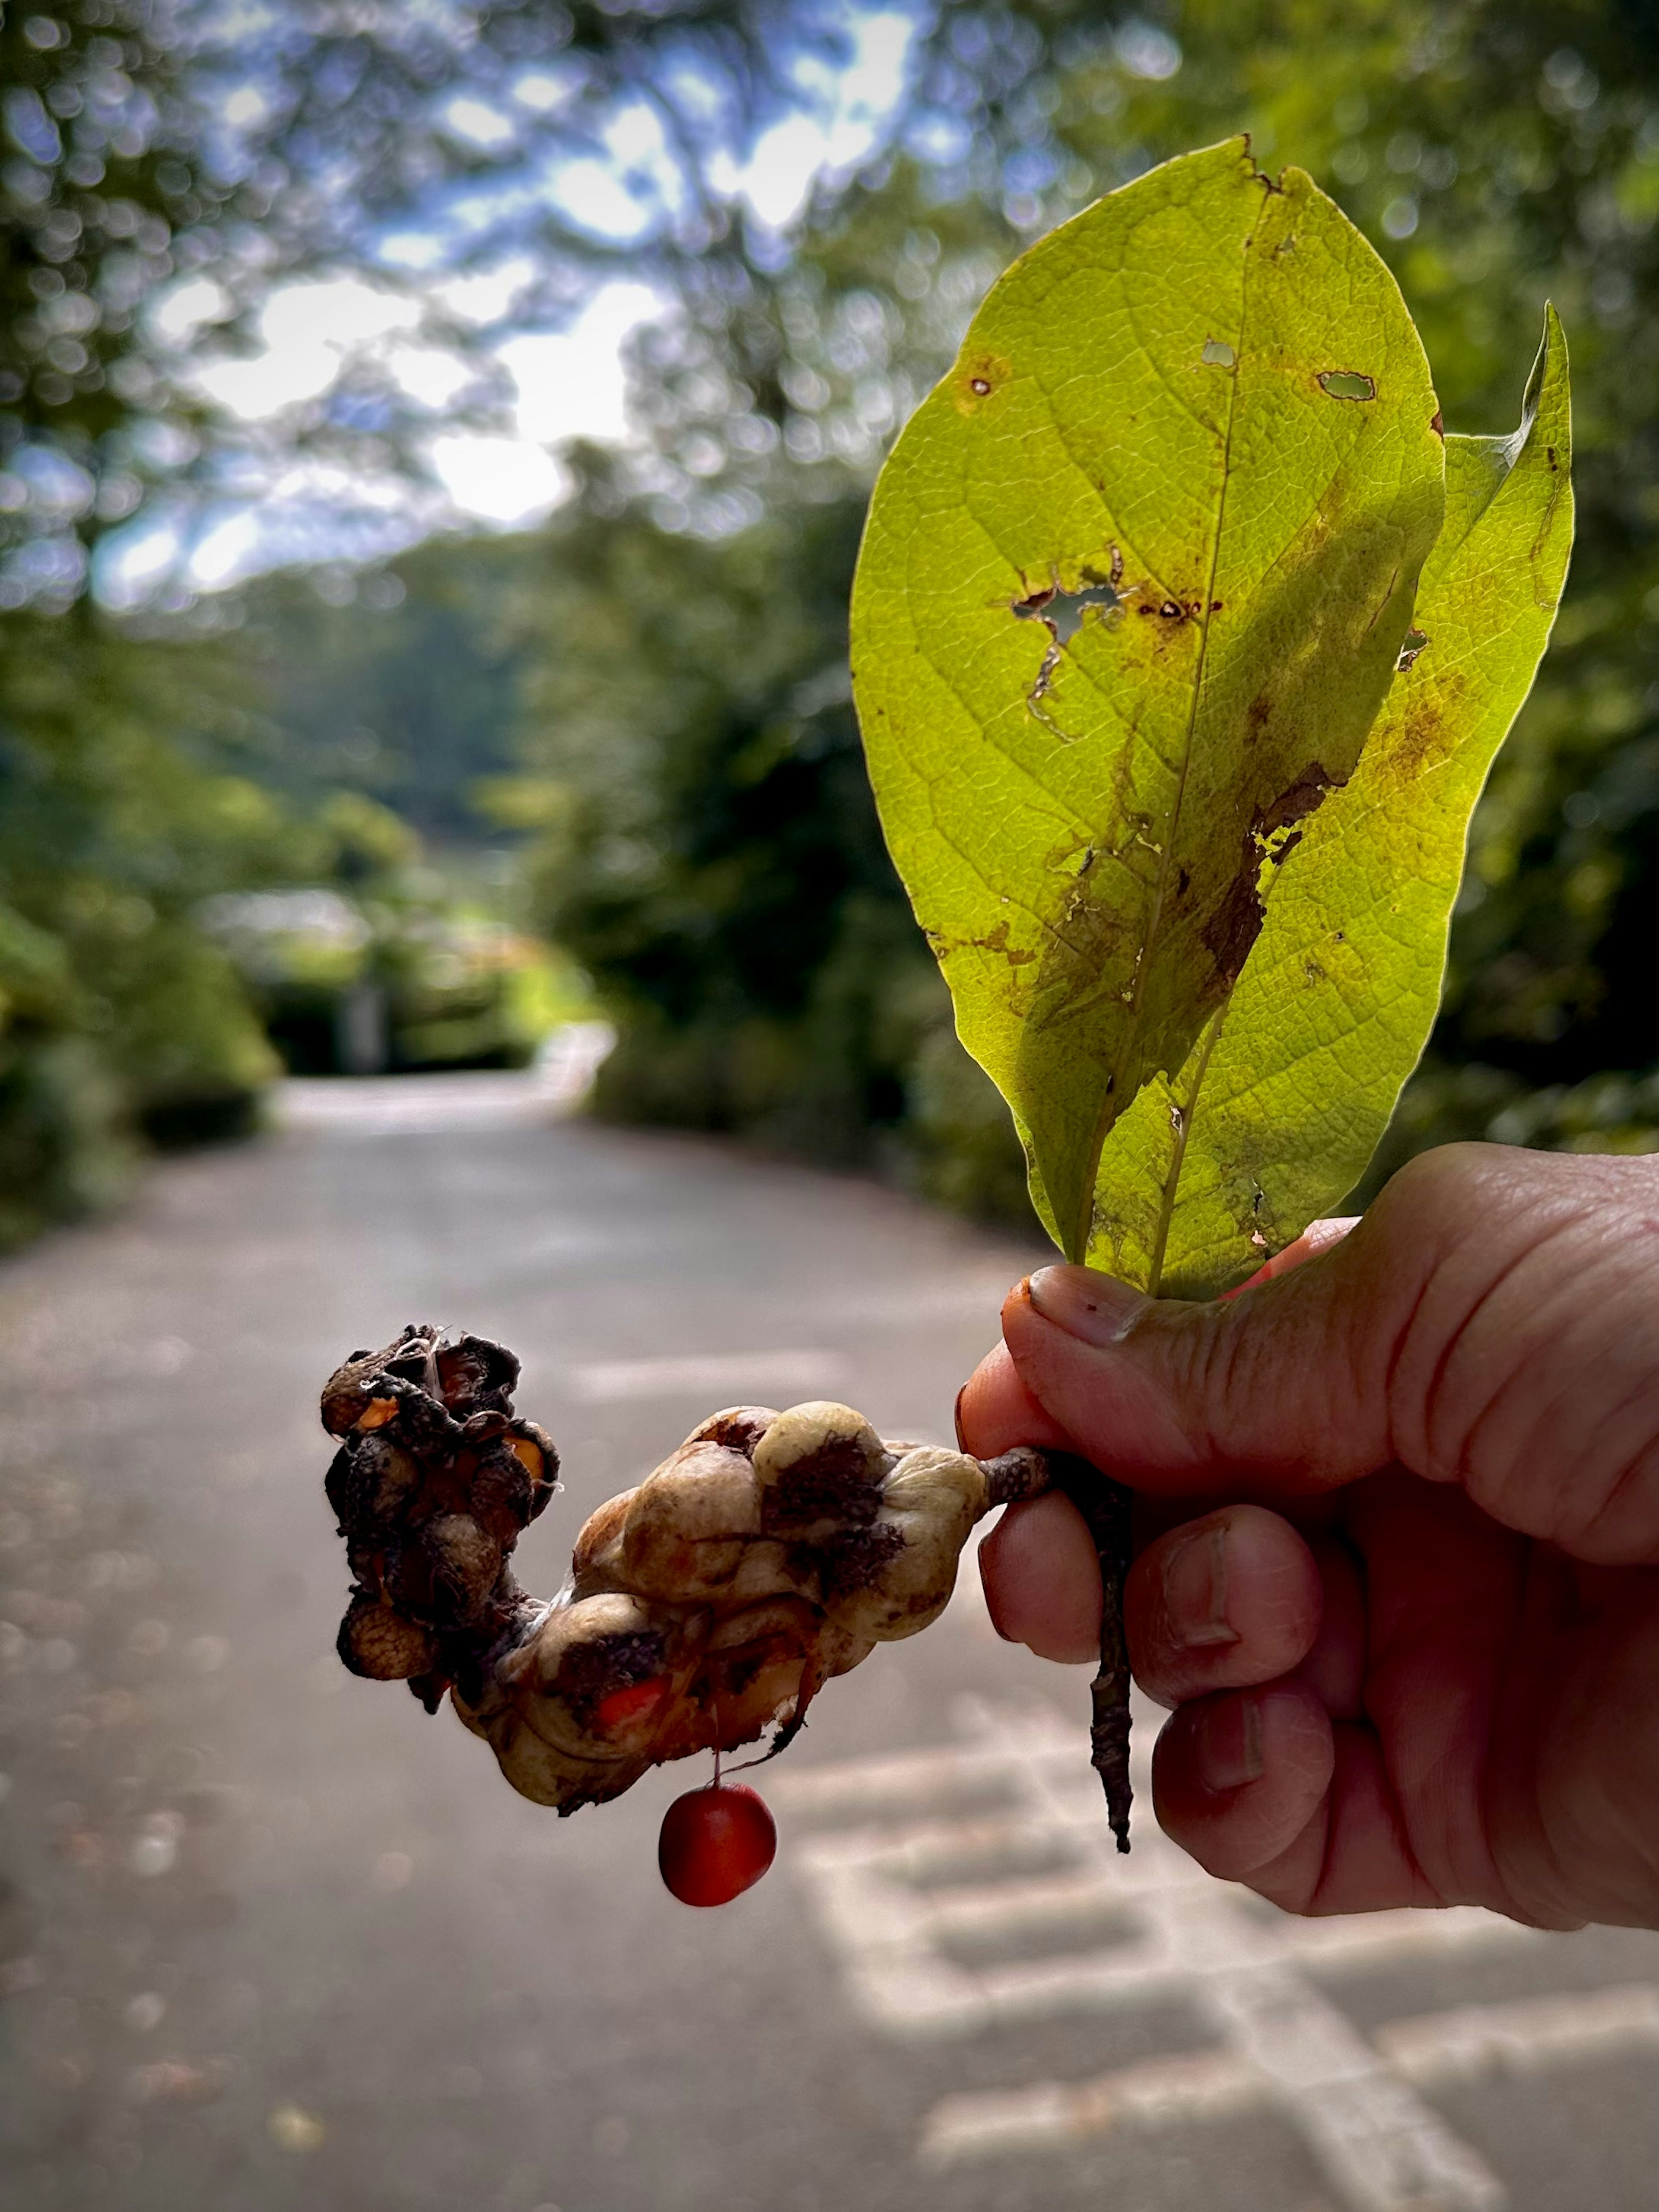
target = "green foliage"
x: 707, y: 845
x: 403, y: 972
x: 117, y: 813
x: 1145, y: 410
x: 1495, y: 156
x: 1275, y: 1116
x: 396, y: 682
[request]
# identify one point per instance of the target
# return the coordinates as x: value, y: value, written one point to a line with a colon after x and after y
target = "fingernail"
x: 1227, y: 1744
x: 1196, y: 1588
x: 1095, y: 1309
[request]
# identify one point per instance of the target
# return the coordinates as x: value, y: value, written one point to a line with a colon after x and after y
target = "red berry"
x: 715, y: 1844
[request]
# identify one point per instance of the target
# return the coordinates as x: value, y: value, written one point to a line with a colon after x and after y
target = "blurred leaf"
x: 1275, y: 1114
x: 1192, y: 431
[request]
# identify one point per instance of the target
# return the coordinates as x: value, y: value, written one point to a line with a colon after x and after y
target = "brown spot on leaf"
x: 978, y: 380
x: 1234, y: 927
x: 994, y: 941
x: 1420, y: 744
x: 1296, y: 800
x: 1436, y: 423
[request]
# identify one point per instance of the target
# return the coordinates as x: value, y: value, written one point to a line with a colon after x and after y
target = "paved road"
x: 271, y: 1940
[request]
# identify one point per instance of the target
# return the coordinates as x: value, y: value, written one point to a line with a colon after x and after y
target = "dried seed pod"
x: 466, y: 1562
x: 903, y: 1576
x: 766, y: 1555
x: 689, y: 1525
x: 384, y: 1480
x: 377, y: 1640
x: 739, y: 1427
x: 476, y: 1376
x: 819, y: 1468
x: 499, y: 1492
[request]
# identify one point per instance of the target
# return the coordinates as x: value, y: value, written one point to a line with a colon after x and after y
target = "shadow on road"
x: 271, y: 1938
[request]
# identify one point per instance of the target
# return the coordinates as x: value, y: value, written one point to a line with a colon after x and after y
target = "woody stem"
x: 1104, y: 1504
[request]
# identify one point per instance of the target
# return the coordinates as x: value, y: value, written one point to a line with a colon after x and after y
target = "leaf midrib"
x: 1078, y: 1243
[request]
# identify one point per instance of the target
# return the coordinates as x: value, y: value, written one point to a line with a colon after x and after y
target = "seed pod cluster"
x: 771, y: 1551
x: 433, y: 1483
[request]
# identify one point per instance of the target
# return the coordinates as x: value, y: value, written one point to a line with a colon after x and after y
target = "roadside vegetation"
x: 628, y: 731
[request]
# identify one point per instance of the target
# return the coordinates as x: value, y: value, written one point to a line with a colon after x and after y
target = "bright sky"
x: 569, y: 384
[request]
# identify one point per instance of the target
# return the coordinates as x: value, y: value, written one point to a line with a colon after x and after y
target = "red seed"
x: 715, y: 1844
x: 630, y: 1703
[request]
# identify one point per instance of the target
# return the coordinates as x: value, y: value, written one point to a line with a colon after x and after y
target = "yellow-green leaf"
x: 1132, y: 589
x: 1280, y: 1104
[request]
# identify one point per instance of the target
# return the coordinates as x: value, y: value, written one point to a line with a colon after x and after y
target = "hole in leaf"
x: 1415, y: 641
x: 1218, y: 353
x: 1063, y: 612
x: 1347, y: 384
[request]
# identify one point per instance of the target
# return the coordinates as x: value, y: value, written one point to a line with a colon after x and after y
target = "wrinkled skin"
x: 1399, y: 1573
x: 768, y: 1553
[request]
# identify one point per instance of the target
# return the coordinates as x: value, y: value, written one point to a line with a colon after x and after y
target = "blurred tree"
x: 706, y: 844
x: 192, y: 155
x: 117, y: 813
x: 1494, y: 151
x: 709, y: 844
x: 397, y: 681
x: 1497, y: 155
x: 103, y: 195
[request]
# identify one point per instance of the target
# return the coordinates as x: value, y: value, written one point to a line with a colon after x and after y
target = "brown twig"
x: 1104, y: 1504
x: 1027, y: 1471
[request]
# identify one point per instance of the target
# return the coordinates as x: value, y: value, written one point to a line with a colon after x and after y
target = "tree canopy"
x: 687, y: 784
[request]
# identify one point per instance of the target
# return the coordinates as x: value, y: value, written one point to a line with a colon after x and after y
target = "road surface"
x: 272, y: 1940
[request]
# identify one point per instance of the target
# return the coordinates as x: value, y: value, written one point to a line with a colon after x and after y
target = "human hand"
x: 1399, y: 1573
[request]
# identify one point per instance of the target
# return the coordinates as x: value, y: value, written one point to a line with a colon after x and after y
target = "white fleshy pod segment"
x: 819, y: 1439
x: 930, y: 1501
x: 689, y: 1524
x: 819, y: 1468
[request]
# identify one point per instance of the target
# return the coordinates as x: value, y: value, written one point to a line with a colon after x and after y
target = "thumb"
x: 1493, y: 1321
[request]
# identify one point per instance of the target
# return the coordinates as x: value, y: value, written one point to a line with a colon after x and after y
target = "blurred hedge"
x: 119, y: 1021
